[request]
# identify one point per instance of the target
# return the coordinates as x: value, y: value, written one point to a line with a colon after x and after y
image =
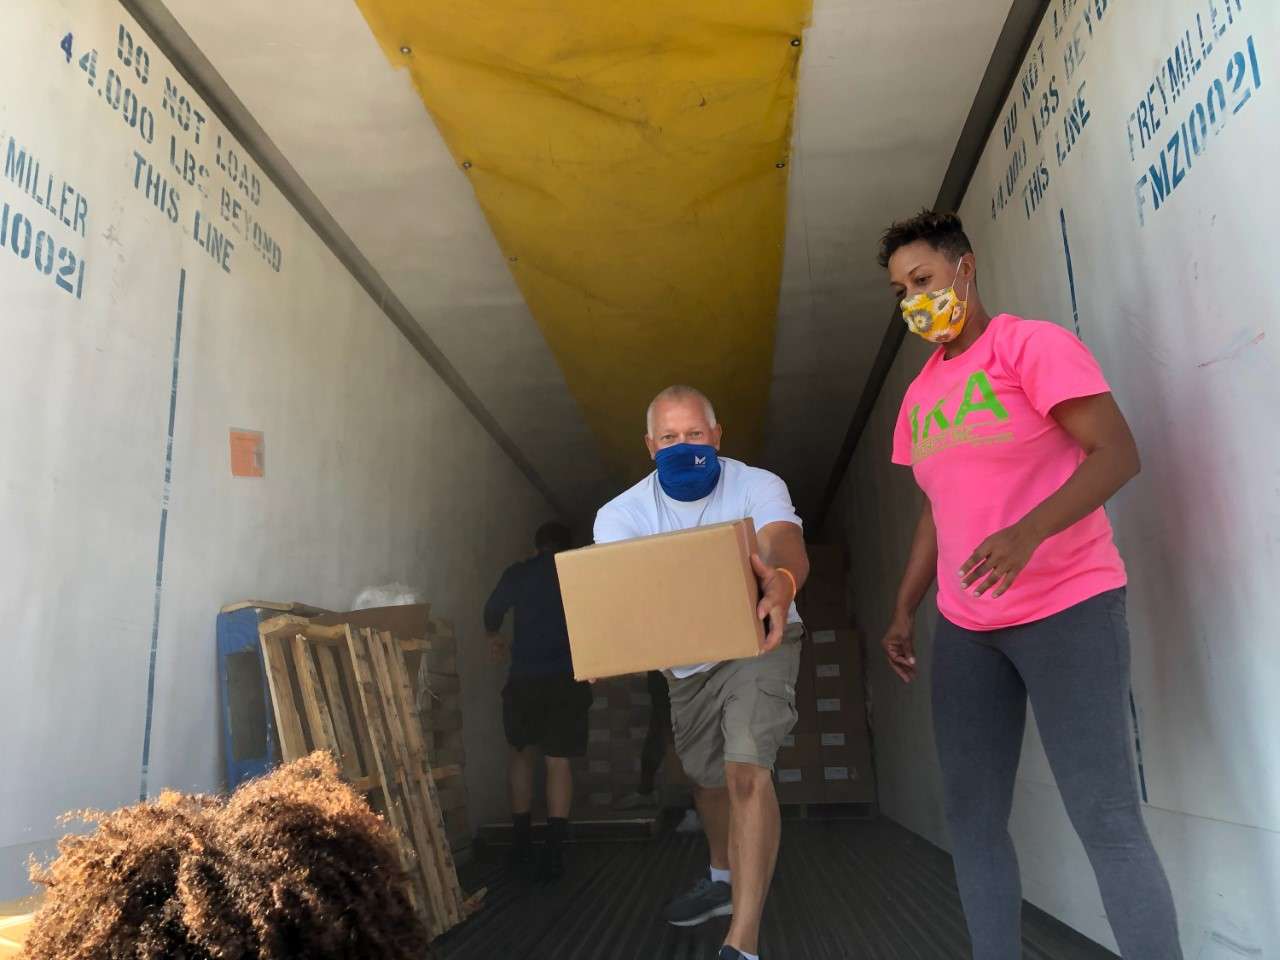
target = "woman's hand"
x: 900, y: 646
x: 999, y: 559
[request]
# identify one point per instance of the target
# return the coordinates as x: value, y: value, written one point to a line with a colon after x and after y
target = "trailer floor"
x: 869, y: 890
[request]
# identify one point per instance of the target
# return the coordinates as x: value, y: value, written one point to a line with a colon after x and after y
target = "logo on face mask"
x: 939, y: 316
x: 688, y: 471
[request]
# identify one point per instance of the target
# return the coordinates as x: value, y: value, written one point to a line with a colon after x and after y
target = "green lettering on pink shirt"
x: 979, y: 383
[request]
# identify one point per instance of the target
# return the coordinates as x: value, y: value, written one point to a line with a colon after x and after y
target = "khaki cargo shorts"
x: 736, y: 712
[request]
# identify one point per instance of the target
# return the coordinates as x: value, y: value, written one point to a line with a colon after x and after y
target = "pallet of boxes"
x: 825, y: 763
x: 618, y: 723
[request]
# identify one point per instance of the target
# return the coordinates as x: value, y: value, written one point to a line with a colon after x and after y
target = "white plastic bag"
x: 387, y: 595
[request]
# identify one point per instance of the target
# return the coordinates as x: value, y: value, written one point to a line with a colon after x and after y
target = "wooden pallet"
x: 440, y: 706
x: 348, y: 690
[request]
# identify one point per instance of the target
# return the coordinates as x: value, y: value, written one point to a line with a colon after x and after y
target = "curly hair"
x: 295, y: 864
x: 942, y: 231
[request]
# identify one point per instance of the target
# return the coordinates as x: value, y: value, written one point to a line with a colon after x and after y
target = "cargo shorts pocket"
x: 756, y: 724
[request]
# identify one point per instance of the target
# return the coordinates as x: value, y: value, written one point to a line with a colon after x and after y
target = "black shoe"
x: 550, y: 865
x: 708, y: 898
x: 728, y: 953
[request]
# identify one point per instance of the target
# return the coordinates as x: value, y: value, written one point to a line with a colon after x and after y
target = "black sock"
x: 521, y: 828
x: 557, y: 829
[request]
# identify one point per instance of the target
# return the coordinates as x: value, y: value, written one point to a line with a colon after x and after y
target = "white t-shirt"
x: 742, y: 491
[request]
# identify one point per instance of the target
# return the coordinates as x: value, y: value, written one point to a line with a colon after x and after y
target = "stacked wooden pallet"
x: 350, y: 689
x: 440, y: 707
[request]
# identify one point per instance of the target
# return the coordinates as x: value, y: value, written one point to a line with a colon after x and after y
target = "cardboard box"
x: 835, y: 645
x: 841, y: 715
x: 823, y: 602
x: 844, y: 748
x: 408, y: 622
x: 659, y: 602
x: 672, y: 772
x: 826, y: 582
x: 824, y: 616
x: 848, y: 783
x: 835, y: 659
x: 798, y: 784
x: 617, y: 693
x: 837, y: 680
x: 806, y: 717
x: 800, y: 750
x: 599, y: 800
x: 625, y: 755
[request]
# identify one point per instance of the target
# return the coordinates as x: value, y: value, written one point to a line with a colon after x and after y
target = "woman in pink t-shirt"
x: 1012, y: 433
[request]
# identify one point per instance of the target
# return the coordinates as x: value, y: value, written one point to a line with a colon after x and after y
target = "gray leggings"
x: 1075, y: 668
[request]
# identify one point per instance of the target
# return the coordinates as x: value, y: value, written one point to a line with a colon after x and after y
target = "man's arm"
x: 500, y: 601
x: 781, y: 546
x: 613, y: 524
x: 495, y: 611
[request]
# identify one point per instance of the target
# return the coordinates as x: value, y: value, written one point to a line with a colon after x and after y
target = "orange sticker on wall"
x: 248, y: 451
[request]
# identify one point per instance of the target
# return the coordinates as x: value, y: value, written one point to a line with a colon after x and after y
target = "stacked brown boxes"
x: 619, y: 720
x: 827, y: 758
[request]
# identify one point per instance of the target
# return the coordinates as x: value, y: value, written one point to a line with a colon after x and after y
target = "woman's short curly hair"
x: 942, y: 231
x: 295, y: 864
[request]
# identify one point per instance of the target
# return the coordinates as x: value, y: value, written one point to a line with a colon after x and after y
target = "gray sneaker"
x: 707, y: 899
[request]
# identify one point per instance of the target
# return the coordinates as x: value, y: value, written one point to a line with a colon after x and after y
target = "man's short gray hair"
x: 678, y: 393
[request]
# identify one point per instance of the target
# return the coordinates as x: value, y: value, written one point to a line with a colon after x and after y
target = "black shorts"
x: 547, y: 712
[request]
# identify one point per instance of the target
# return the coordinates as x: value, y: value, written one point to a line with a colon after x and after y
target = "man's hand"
x: 498, y: 650
x: 899, y: 645
x: 776, y: 594
x: 999, y: 559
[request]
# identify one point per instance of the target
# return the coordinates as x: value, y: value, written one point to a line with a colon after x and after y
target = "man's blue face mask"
x: 688, y: 471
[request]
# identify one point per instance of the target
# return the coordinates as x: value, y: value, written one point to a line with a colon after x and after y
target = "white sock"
x: 721, y: 876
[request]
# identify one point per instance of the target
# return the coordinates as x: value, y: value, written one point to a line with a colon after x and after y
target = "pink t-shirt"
x: 977, y: 432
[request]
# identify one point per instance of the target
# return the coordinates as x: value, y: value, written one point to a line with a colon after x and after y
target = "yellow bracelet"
x: 795, y: 589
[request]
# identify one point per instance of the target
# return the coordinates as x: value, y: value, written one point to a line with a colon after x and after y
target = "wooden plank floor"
x: 867, y: 890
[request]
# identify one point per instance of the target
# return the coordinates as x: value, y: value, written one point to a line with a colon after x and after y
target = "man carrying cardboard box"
x: 729, y: 718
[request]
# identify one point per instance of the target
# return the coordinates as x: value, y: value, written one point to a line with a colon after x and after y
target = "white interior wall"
x: 1174, y: 303
x: 374, y: 470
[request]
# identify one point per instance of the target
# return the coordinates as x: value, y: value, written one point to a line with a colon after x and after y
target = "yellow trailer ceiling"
x: 632, y: 161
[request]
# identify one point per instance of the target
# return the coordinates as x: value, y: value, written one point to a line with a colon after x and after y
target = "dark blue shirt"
x: 541, y: 647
